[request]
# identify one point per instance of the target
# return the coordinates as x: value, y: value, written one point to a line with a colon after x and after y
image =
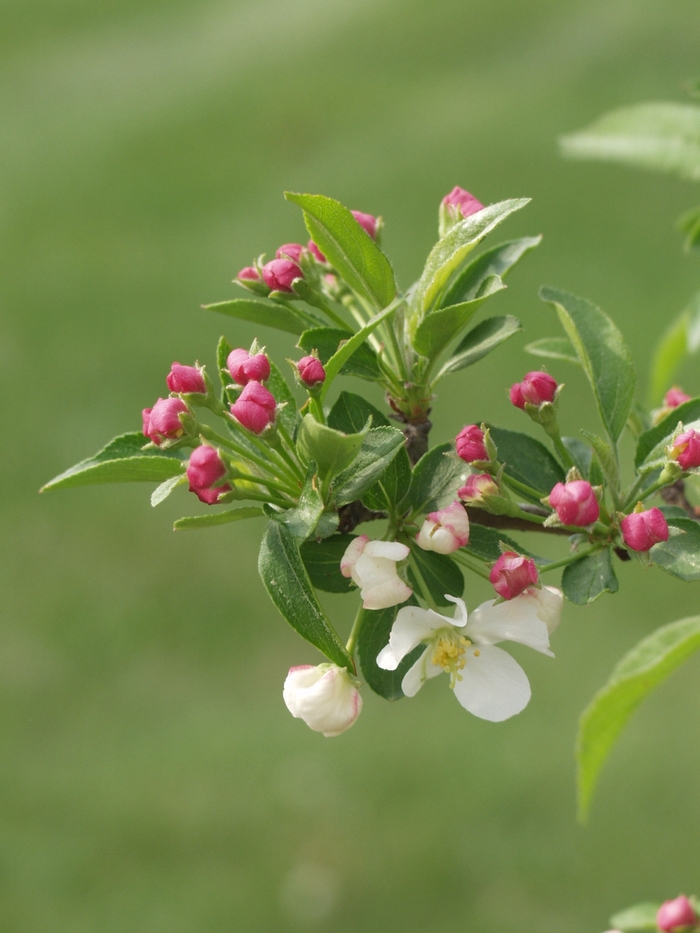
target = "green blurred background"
x: 151, y: 778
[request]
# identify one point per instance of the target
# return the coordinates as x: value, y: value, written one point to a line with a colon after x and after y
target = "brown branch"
x: 354, y: 514
x: 675, y: 495
x: 508, y: 523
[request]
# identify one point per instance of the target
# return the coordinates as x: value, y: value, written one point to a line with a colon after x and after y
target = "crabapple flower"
x: 465, y: 202
x: 372, y: 566
x: 162, y: 422
x: 535, y: 389
x: 575, y: 503
x: 477, y: 488
x: 512, y: 574
x: 315, y: 251
x: 254, y: 407
x: 203, y: 471
x: 486, y: 680
x: 311, y: 371
x: 470, y: 444
x: 686, y: 449
x: 186, y: 379
x: 280, y: 273
x: 675, y: 397
x: 325, y: 697
x: 642, y: 530
x: 446, y: 530
x: 674, y: 916
x: 291, y: 251
x: 245, y: 368
x: 368, y: 222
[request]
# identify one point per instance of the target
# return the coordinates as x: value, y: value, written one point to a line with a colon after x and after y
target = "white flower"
x: 445, y: 531
x: 325, y: 697
x: 486, y: 680
x: 372, y: 566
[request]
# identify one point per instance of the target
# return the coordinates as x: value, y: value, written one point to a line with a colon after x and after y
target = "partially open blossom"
x: 186, y: 379
x: 675, y: 397
x: 535, y: 389
x: 315, y: 251
x: 463, y: 200
x: 470, y: 444
x: 290, y: 251
x: 512, y: 574
x: 204, y: 470
x: 280, y: 273
x: 486, y: 680
x: 325, y: 697
x: 372, y: 566
x: 254, y: 407
x: 162, y: 422
x: 245, y: 368
x: 575, y: 503
x: 446, y: 530
x: 686, y: 449
x: 311, y: 371
x: 477, y: 487
x: 676, y: 915
x: 368, y: 222
x: 249, y: 273
x: 642, y: 530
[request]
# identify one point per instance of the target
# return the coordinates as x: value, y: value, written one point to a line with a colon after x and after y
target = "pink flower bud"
x: 463, y: 200
x: 186, y: 379
x: 311, y: 371
x: 575, y: 503
x: 280, y: 273
x: 675, y: 397
x: 512, y: 574
x: 676, y: 915
x: 367, y: 221
x: 315, y: 251
x: 162, y: 422
x: 477, y: 487
x: 535, y: 389
x: 446, y: 530
x: 470, y: 444
x: 203, y: 470
x: 686, y: 449
x: 290, y: 251
x: 642, y: 530
x: 254, y: 408
x: 249, y: 273
x: 245, y: 368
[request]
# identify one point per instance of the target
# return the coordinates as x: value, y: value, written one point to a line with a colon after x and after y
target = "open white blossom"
x: 372, y: 566
x: 486, y: 680
x: 325, y: 697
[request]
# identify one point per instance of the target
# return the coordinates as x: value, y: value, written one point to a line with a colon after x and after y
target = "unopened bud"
x: 203, y: 471
x: 575, y: 503
x: 446, y: 530
x: 465, y: 202
x: 280, y: 273
x: 676, y: 915
x: 245, y: 368
x: 254, y: 407
x: 162, y: 422
x: 642, y: 530
x: 675, y: 397
x: 291, y: 251
x: 249, y: 274
x: 512, y: 574
x: 186, y: 379
x: 315, y: 251
x: 311, y: 371
x: 477, y: 488
x: 325, y: 697
x: 535, y: 389
x: 368, y: 222
x: 470, y: 444
x: 685, y: 449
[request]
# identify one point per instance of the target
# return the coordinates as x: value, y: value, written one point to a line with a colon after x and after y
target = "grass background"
x: 151, y: 779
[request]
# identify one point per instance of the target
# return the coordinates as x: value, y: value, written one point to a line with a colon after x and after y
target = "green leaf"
x: 441, y: 574
x: 681, y: 339
x: 161, y: 493
x: 223, y: 349
x: 331, y: 450
x: 390, y: 490
x: 349, y: 249
x: 374, y: 635
x: 495, y: 261
x: 635, y: 676
x: 352, y: 412
x: 277, y: 384
x: 436, y: 478
x: 343, y: 354
x: 450, y: 252
x: 485, y: 543
x: 378, y: 450
x: 680, y: 555
x: 553, y: 348
x: 326, y: 340
x: 217, y: 518
x: 588, y: 578
x: 322, y: 562
x: 440, y: 327
x: 607, y: 460
x: 528, y: 463
x: 650, y: 445
x: 689, y: 223
x: 484, y: 338
x: 603, y: 354
x: 122, y: 461
x: 287, y: 583
x: 302, y: 519
x: 637, y: 919
x: 581, y: 454
x: 261, y: 312
x: 664, y: 137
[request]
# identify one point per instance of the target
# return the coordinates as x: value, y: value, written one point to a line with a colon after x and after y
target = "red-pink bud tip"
x: 315, y: 251
x: 250, y: 273
x: 535, y: 389
x: 311, y: 371
x: 470, y: 444
x: 162, y: 422
x: 463, y: 200
x: 280, y: 273
x: 478, y: 486
x: 674, y: 916
x: 675, y: 397
x: 254, y: 408
x: 368, y: 222
x: 642, y: 530
x: 203, y: 470
x: 686, y: 449
x: 512, y: 574
x: 291, y: 251
x: 245, y: 368
x: 575, y: 503
x: 185, y: 379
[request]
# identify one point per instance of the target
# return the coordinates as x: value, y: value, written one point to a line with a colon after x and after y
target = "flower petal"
x: 418, y: 673
x: 513, y: 620
x: 493, y: 685
x: 412, y: 626
x: 388, y: 550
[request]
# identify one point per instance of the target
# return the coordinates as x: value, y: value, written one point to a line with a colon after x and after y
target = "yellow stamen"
x: 448, y: 653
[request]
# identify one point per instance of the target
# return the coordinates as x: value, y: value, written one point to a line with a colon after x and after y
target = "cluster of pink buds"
x: 513, y: 574
x: 255, y: 407
x: 162, y: 422
x: 641, y: 530
x: 575, y: 503
x: 537, y: 388
x: 677, y: 916
x: 204, y: 471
